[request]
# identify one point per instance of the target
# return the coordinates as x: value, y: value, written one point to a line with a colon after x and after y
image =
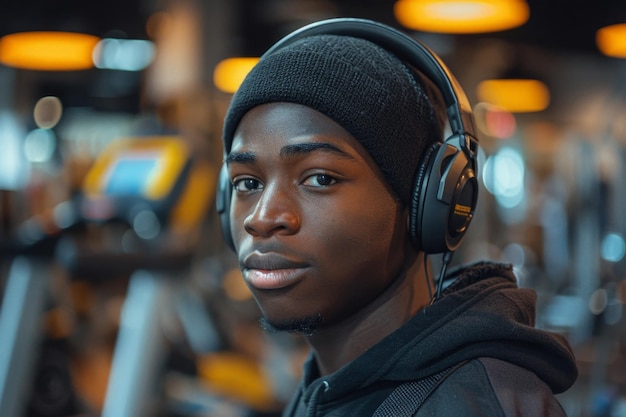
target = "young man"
x: 324, y: 143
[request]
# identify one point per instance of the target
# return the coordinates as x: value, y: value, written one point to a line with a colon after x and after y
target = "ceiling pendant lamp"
x: 461, y: 16
x: 611, y: 40
x: 48, y: 50
x: 230, y: 73
x: 515, y: 95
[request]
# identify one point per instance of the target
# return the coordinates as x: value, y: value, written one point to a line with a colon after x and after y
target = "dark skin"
x: 319, y: 234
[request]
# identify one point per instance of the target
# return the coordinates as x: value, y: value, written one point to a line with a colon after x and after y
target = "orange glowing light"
x: 515, y: 95
x: 611, y: 40
x: 48, y: 51
x: 461, y: 16
x: 230, y: 73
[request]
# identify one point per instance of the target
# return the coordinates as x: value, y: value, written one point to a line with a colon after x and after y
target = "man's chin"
x: 306, y: 326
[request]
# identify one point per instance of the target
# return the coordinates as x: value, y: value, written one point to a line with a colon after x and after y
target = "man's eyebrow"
x: 304, y: 148
x: 291, y: 150
x: 241, y: 157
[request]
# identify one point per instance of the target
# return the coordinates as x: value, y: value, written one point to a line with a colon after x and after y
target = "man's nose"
x: 276, y: 211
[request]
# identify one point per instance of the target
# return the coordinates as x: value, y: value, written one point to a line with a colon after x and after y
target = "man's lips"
x: 271, y: 271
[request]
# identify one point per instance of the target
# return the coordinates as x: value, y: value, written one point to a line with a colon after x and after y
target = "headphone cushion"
x: 417, y: 197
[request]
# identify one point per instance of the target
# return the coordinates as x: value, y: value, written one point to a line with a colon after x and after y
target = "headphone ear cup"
x: 223, y: 197
x: 444, y: 199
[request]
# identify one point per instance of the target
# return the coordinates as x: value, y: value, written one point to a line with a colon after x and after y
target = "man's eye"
x: 320, y: 180
x: 246, y: 184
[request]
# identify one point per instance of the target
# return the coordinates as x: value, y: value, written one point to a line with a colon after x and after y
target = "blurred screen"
x: 131, y: 175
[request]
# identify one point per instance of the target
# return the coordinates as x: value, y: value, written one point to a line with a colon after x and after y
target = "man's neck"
x: 337, y: 345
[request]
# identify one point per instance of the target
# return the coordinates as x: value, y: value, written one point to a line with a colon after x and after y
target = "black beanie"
x: 364, y: 88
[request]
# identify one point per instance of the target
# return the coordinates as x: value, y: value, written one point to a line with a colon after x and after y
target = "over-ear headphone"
x: 445, y: 190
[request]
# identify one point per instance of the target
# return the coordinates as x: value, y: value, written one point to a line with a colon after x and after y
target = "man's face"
x: 318, y: 232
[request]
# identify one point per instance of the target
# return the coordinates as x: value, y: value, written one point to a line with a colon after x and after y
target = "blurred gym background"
x: 118, y: 297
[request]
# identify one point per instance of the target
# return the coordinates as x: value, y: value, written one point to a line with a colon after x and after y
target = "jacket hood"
x: 483, y: 313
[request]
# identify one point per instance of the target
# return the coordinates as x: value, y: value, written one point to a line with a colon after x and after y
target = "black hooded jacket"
x: 484, y: 322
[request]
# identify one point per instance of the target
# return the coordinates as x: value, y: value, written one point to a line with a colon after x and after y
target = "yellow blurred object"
x: 165, y: 157
x: 90, y: 370
x: 611, y: 40
x: 48, y: 51
x: 195, y: 199
x: 237, y: 377
x: 230, y: 73
x: 461, y: 16
x: 515, y: 95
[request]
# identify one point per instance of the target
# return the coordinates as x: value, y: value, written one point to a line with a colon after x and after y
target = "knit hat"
x: 361, y: 86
